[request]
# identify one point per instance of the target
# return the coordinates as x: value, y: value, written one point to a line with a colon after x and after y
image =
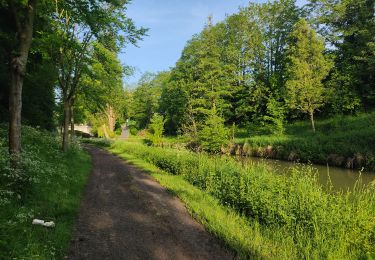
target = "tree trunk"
x: 17, y: 73
x: 72, y: 133
x: 111, y: 118
x: 67, y: 120
x: 312, y: 120
x: 15, y: 108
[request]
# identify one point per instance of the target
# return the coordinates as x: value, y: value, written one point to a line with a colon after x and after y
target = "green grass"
x: 101, y: 142
x: 344, y: 141
x: 292, y: 215
x: 245, y: 238
x: 48, y: 186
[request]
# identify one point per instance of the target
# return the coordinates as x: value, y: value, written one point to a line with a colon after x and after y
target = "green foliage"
x: 275, y: 116
x: 156, y: 128
x: 48, y: 185
x: 235, y: 64
x: 248, y: 239
x: 341, y: 100
x: 264, y: 66
x: 132, y: 125
x: 348, y: 137
x: 213, y: 135
x: 349, y: 26
x: 101, y: 142
x: 320, y: 224
x: 38, y: 89
x: 307, y: 68
x: 145, y: 98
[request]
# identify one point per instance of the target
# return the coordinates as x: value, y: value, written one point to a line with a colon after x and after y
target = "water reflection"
x: 341, y: 179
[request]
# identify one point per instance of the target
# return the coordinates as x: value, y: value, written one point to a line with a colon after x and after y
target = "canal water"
x: 341, y: 179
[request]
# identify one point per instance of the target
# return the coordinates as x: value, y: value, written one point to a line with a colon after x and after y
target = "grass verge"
x: 48, y: 186
x: 293, y: 212
x: 245, y: 238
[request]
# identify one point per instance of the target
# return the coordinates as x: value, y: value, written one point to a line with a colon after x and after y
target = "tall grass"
x: 346, y: 141
x: 320, y: 224
x: 47, y: 185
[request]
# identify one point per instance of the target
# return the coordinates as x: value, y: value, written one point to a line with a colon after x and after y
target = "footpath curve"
x: 125, y: 214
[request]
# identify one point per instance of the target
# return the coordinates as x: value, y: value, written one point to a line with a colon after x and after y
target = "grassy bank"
x: 48, y: 186
x: 246, y: 238
x: 345, y: 141
x: 294, y: 213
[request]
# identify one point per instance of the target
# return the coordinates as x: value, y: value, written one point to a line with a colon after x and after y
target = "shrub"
x: 156, y: 128
x: 133, y: 130
x: 213, y: 135
x: 274, y: 117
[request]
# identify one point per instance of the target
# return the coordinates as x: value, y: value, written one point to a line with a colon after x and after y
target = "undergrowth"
x: 320, y: 224
x: 47, y: 185
x: 247, y: 239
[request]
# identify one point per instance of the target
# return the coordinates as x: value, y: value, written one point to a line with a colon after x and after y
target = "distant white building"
x: 83, y: 128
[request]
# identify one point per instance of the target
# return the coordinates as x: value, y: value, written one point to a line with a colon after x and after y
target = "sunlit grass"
x: 52, y: 191
x: 349, y: 137
x: 245, y: 238
x: 313, y: 223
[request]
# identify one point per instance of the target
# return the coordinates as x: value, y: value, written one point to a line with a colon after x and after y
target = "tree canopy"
x: 264, y: 66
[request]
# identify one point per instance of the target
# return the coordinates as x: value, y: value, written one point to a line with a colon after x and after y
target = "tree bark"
x: 111, y: 118
x: 72, y: 133
x: 67, y: 120
x: 106, y: 135
x: 312, y: 120
x: 17, y: 73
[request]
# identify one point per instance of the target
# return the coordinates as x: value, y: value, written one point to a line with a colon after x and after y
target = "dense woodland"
x: 265, y: 66
x: 54, y: 54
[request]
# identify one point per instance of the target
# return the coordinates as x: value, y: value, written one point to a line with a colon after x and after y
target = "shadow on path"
x: 125, y: 214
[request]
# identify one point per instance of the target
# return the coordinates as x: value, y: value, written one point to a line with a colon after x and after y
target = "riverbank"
x: 48, y: 187
x: 346, y: 141
x: 314, y: 223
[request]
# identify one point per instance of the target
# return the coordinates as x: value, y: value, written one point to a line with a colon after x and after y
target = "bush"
x: 213, y: 135
x: 156, y: 129
x: 274, y: 117
x: 97, y: 141
x: 133, y: 130
x: 321, y: 224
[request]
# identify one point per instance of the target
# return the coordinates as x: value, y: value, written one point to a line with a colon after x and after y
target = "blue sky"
x: 171, y: 24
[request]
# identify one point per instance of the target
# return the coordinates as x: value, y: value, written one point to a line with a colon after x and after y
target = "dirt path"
x: 125, y: 214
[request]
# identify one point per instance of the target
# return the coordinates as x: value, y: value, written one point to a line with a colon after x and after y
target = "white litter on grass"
x: 38, y: 222
x: 43, y: 223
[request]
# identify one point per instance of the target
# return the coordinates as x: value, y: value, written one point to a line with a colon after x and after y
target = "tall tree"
x: 38, y: 99
x: 349, y: 26
x: 307, y: 67
x: 146, y: 99
x: 246, y: 51
x: 213, y: 77
x: 76, y: 32
x: 276, y: 20
x: 201, y: 78
x: 23, y: 14
x: 106, y: 77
